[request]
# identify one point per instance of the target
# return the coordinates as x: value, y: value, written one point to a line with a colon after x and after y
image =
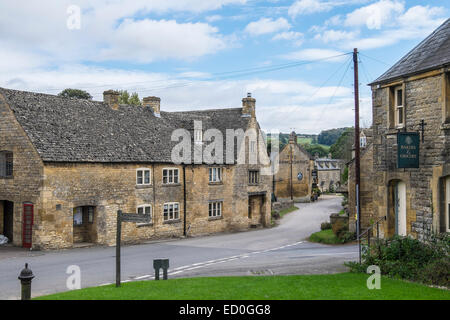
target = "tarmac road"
x: 274, y: 251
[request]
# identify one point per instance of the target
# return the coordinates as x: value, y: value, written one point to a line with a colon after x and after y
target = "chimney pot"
x: 248, y: 106
x: 111, y: 97
x: 154, y: 103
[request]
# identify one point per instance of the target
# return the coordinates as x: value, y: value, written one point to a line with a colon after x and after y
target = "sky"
x: 294, y: 57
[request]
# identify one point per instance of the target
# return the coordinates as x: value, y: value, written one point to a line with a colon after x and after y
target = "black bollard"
x: 161, y: 264
x: 25, y: 277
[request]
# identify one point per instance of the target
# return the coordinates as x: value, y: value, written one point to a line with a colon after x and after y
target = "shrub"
x: 437, y: 273
x: 410, y: 259
x: 325, y: 226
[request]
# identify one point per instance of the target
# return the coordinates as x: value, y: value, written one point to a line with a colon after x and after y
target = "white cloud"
x: 302, y: 7
x: 109, y: 31
x: 388, y: 21
x: 214, y: 18
x: 336, y: 35
x: 267, y: 25
x: 376, y: 15
x: 295, y: 37
x: 315, y: 54
x: 163, y: 39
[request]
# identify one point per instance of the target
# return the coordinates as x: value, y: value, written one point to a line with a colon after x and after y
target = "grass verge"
x: 346, y: 286
x: 325, y: 237
x: 287, y: 210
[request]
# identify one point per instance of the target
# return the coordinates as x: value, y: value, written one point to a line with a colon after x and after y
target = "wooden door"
x: 27, y: 223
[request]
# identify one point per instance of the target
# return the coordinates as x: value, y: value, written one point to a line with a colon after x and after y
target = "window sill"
x: 171, y: 184
x: 172, y: 221
x: 144, y: 186
x: 253, y: 184
x: 140, y: 225
x: 7, y: 177
x: 215, y: 183
x: 215, y: 218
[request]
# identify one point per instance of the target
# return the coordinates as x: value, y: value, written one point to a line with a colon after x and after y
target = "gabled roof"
x: 430, y: 54
x: 77, y: 130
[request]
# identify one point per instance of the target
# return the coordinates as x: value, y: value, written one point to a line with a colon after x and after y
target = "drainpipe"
x: 184, y: 200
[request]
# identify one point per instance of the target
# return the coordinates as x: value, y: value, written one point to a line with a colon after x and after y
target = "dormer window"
x: 363, y: 141
x: 6, y: 164
x: 198, y: 136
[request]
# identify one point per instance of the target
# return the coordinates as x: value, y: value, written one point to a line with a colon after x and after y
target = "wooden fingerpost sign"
x: 126, y: 217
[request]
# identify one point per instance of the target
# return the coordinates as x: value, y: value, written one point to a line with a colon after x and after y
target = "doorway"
x: 8, y: 220
x: 84, y: 225
x: 400, y: 208
x: 255, y: 210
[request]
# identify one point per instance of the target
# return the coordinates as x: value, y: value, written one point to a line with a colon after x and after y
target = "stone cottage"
x: 413, y: 98
x: 293, y: 180
x: 328, y: 173
x: 67, y: 165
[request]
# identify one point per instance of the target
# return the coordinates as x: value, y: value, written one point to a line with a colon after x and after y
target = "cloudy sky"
x: 199, y: 54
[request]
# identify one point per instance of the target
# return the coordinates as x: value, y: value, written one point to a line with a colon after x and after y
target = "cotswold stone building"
x: 293, y: 180
x: 328, y: 173
x: 416, y: 201
x: 67, y: 166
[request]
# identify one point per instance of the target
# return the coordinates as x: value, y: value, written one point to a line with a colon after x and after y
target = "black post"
x: 184, y: 201
x: 357, y: 147
x: 25, y: 277
x: 118, y: 236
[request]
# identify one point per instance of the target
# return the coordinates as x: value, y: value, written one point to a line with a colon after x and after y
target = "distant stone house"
x: 416, y: 201
x: 328, y: 173
x: 293, y: 179
x: 67, y: 166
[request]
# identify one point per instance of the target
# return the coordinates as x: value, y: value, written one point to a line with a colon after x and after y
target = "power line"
x: 215, y: 76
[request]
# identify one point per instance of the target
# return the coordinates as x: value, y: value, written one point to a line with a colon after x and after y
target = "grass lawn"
x: 326, y: 237
x: 331, y: 286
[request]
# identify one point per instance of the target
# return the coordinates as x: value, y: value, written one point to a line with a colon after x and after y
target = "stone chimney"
x: 154, y: 103
x: 111, y: 97
x: 248, y: 106
x: 293, y: 137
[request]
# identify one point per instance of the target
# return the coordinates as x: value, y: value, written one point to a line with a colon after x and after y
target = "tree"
x: 329, y: 137
x: 342, y: 149
x: 75, y: 93
x: 125, y: 98
x: 134, y: 100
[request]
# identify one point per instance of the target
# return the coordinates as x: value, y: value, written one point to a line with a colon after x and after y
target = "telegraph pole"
x: 357, y: 151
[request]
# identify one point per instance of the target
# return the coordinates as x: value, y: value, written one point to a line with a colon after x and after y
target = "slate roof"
x: 77, y: 130
x: 431, y: 53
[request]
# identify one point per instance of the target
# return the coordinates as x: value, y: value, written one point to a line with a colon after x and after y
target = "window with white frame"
x: 143, y: 176
x: 399, y: 108
x: 170, y: 176
x: 171, y: 211
x: 253, y: 177
x: 198, y: 136
x: 145, y: 209
x: 215, y: 174
x: 215, y: 209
